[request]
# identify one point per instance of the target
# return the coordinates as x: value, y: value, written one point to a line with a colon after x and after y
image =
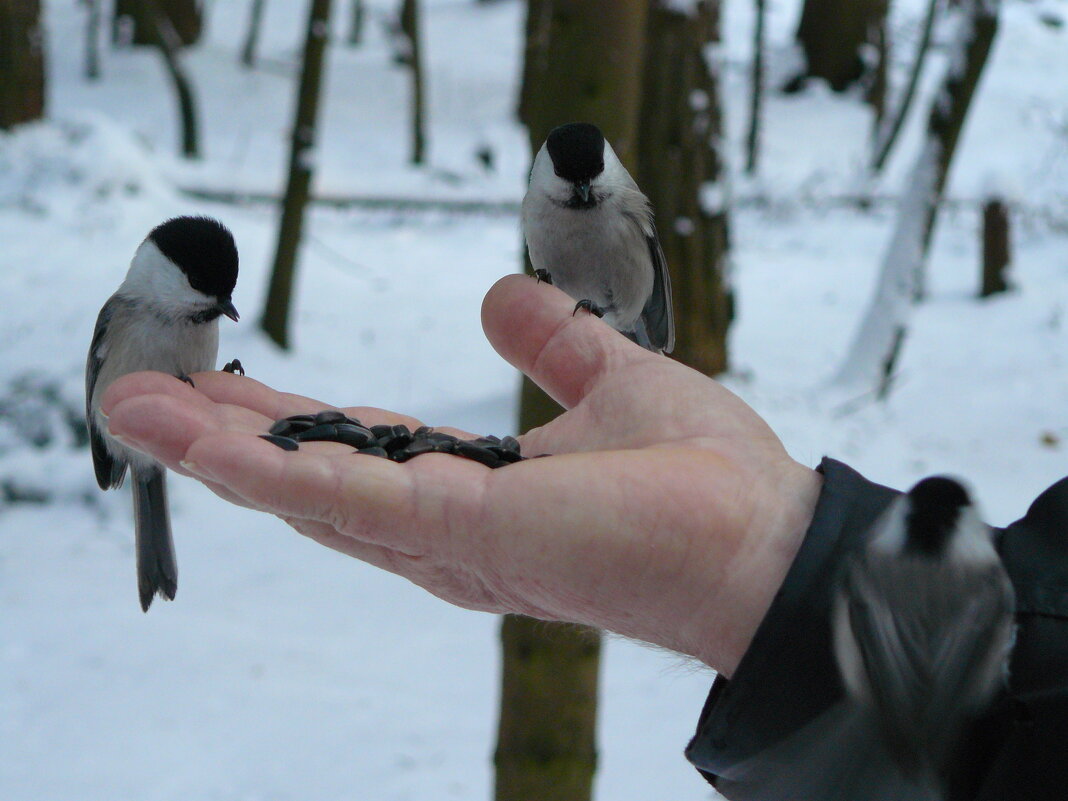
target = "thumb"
x: 533, y: 327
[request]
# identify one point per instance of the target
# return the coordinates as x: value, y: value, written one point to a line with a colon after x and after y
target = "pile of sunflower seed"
x: 397, y: 443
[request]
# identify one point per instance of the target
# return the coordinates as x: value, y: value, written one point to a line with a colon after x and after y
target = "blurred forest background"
x: 864, y: 207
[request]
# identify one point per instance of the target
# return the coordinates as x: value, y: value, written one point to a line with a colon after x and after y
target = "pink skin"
x: 669, y: 512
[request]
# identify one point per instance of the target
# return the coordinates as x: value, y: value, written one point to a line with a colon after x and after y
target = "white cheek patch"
x: 155, y: 278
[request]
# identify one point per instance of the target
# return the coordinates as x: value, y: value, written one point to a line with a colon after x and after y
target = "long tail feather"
x: 157, y: 568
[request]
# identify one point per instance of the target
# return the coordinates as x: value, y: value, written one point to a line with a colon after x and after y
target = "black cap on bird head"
x: 935, y: 506
x: 577, y: 151
x: 204, y: 250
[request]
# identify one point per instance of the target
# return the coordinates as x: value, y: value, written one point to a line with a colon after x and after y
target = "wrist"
x: 783, y: 504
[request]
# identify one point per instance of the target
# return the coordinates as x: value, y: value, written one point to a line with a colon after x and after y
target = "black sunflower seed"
x: 330, y: 416
x: 326, y: 432
x: 477, y: 453
x: 418, y: 448
x: 374, y: 451
x: 285, y: 443
x: 281, y: 428
x: 356, y: 436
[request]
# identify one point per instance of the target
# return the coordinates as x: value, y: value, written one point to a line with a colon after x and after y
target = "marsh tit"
x: 589, y: 231
x: 163, y: 317
x: 923, y: 626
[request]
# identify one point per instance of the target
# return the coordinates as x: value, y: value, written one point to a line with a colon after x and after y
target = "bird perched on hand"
x: 923, y: 626
x: 163, y: 317
x: 589, y: 231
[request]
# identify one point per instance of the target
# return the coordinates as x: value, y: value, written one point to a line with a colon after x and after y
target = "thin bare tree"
x: 155, y: 23
x: 275, y: 320
x: 413, y: 57
x: 871, y: 357
x: 886, y: 133
x: 92, y: 39
x: 756, y: 89
x: 252, y: 33
x: 356, y: 19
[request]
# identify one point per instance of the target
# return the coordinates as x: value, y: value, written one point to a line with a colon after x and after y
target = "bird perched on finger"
x: 589, y: 231
x: 165, y: 317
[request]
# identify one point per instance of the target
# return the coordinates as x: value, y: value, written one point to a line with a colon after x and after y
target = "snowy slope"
x: 284, y: 671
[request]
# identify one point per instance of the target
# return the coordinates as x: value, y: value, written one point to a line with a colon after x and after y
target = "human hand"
x: 669, y: 512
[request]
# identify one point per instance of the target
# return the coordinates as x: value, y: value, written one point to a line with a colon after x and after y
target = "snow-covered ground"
x: 284, y: 671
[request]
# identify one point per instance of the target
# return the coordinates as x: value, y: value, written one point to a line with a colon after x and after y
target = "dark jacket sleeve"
x: 788, y: 677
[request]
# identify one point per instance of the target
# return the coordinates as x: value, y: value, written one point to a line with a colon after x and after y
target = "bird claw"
x: 589, y: 306
x: 186, y: 379
x: 543, y: 275
x: 234, y: 367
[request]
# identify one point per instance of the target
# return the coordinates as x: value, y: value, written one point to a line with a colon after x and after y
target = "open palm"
x: 669, y: 512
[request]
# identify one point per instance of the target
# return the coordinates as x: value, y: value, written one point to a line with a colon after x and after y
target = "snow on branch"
x: 869, y: 362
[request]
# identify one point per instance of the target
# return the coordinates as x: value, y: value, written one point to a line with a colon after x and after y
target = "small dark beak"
x: 227, y: 308
x: 583, y: 188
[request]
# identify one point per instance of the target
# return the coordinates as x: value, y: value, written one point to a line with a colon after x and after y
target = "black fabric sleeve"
x: 788, y: 676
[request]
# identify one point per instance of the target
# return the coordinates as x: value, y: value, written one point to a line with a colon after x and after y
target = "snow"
x: 887, y: 316
x: 284, y: 671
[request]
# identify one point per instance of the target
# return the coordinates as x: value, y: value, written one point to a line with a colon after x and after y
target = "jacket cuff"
x: 788, y: 675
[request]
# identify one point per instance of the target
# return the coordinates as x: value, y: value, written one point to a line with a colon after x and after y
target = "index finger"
x: 241, y: 391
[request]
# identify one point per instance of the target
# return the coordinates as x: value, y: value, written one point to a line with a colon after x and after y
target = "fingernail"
x: 193, y: 468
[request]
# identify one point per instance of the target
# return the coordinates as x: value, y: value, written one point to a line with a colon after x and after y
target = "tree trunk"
x: 165, y: 38
x: 583, y: 61
x: 356, y: 16
x: 682, y: 173
x: 92, y: 39
x: 22, y: 66
x: 252, y: 35
x: 589, y: 69
x: 833, y: 35
x: 877, y: 343
x: 756, y: 90
x: 275, y: 319
x: 975, y: 38
x: 997, y: 253
x: 890, y: 126
x: 548, y: 709
x: 186, y: 17
x: 409, y: 27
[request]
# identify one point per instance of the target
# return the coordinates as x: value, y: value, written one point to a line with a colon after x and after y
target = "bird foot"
x: 589, y: 306
x: 187, y: 380
x: 234, y: 367
x: 543, y: 275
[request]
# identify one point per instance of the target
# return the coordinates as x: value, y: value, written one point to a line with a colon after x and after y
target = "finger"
x: 533, y: 326
x: 239, y: 391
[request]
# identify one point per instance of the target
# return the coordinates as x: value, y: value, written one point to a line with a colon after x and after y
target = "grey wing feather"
x: 658, y: 315
x: 838, y: 756
x: 923, y: 679
x: 109, y: 470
